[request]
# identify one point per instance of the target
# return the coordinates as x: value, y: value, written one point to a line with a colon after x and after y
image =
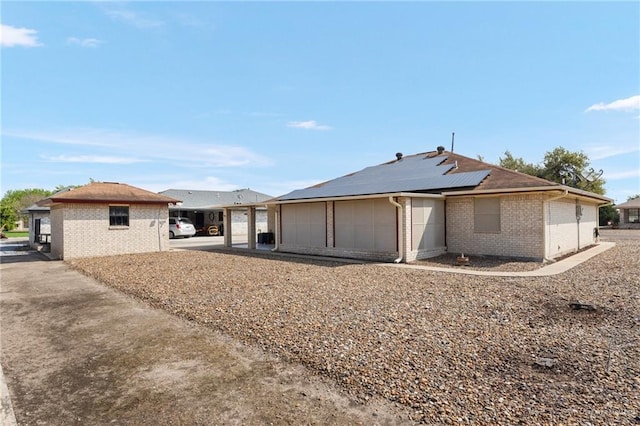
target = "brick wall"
x: 521, y: 228
x: 87, y: 232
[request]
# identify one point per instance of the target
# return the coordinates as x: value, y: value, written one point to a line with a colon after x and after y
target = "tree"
x: 519, y: 165
x: 633, y: 197
x: 572, y: 169
x: 14, y: 201
x: 562, y: 166
x: 607, y: 214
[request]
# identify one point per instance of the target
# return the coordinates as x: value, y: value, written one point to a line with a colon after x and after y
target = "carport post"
x: 251, y: 227
x: 227, y: 213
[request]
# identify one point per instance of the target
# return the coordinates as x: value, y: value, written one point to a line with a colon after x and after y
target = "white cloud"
x: 627, y: 104
x: 151, y: 147
x: 81, y: 137
x: 91, y: 159
x: 208, y: 183
x: 307, y: 125
x: 599, y: 152
x: 622, y: 175
x: 12, y: 36
x: 133, y: 18
x: 85, y: 42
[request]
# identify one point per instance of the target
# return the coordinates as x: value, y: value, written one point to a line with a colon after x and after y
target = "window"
x: 118, y: 215
x: 487, y: 215
x: 634, y: 215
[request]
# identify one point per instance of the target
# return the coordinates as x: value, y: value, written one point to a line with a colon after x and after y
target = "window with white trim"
x: 118, y: 215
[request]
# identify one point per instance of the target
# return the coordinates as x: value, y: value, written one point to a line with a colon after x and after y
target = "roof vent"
x: 440, y: 149
x: 399, y: 155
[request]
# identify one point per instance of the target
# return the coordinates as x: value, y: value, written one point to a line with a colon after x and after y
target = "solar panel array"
x: 409, y: 174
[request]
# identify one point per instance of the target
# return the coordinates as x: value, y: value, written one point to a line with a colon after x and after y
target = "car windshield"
x: 185, y: 220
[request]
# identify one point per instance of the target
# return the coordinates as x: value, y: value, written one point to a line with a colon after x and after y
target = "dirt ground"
x: 77, y: 352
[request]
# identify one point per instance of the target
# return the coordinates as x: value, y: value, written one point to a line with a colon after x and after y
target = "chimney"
x: 398, y: 156
x: 440, y: 149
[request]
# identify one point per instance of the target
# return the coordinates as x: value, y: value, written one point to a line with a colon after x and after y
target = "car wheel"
x: 171, y: 235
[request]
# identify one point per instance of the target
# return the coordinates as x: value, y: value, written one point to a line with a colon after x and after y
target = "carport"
x: 257, y: 238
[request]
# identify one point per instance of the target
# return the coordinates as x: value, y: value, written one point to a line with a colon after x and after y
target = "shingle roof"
x: 194, y: 199
x: 109, y: 192
x: 631, y: 204
x: 411, y: 173
x: 498, y: 178
x: 429, y: 172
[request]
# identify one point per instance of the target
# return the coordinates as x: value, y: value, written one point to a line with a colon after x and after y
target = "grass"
x: 14, y: 234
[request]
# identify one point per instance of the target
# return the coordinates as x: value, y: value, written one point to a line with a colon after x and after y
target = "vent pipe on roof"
x: 398, y: 155
x: 453, y: 137
x: 440, y: 149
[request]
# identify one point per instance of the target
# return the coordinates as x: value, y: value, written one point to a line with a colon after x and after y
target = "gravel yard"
x: 450, y: 348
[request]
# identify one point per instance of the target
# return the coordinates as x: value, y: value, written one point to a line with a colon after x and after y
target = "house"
x: 424, y: 205
x: 629, y: 214
x: 205, y: 209
x: 39, y: 225
x: 107, y: 218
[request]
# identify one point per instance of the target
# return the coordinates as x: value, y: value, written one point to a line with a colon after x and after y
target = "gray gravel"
x: 449, y: 348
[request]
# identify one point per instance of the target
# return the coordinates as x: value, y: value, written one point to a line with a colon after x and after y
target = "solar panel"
x: 410, y: 174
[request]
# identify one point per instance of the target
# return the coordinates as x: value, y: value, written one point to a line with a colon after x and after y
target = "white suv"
x: 181, y: 227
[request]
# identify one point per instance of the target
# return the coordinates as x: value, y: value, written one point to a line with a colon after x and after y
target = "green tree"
x: 607, y: 214
x: 14, y: 201
x: 572, y: 169
x: 519, y: 165
x: 562, y: 166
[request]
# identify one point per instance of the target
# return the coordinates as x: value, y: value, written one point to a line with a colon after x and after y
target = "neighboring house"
x: 105, y: 218
x: 39, y: 225
x: 424, y: 205
x: 205, y: 209
x: 629, y: 214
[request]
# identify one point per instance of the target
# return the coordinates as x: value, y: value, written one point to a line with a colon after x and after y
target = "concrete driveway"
x: 77, y: 352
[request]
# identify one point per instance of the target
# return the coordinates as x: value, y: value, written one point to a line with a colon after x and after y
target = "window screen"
x: 487, y: 215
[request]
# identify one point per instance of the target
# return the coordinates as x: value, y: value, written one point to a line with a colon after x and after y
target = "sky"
x: 277, y: 96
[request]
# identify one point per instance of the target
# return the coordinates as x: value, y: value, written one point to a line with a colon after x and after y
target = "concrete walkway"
x: 552, y: 269
x: 74, y: 351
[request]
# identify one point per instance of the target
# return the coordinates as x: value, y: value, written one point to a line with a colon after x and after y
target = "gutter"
x: 488, y: 192
x: 357, y: 197
x: 400, y: 240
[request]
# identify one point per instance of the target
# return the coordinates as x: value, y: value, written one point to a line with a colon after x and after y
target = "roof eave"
x: 553, y: 188
x: 357, y: 197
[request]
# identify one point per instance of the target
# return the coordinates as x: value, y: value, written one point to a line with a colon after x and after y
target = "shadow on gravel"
x: 290, y: 257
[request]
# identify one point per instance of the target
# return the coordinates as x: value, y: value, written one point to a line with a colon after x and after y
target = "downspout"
x: 399, y: 226
x: 544, y: 215
x: 158, y: 226
x: 277, y: 233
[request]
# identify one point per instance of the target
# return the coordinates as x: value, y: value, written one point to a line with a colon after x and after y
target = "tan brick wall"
x: 330, y: 225
x: 521, y: 228
x: 87, y: 232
